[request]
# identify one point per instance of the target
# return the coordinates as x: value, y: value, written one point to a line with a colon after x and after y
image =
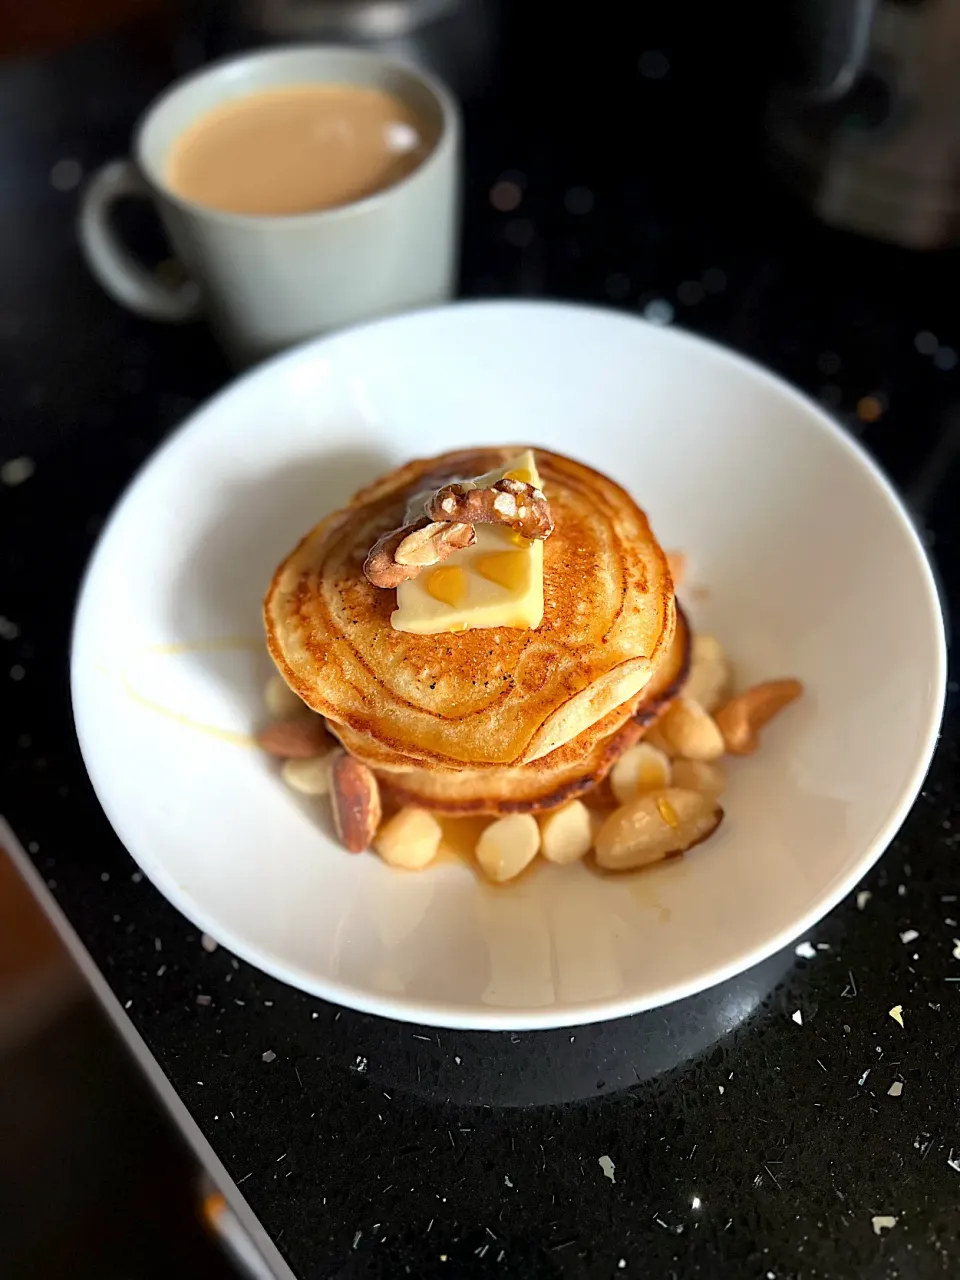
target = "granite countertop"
x: 782, y: 1126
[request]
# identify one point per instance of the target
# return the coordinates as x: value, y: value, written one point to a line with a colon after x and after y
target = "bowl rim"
x: 480, y: 1018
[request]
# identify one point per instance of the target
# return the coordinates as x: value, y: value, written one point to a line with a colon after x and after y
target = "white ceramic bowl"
x: 802, y: 562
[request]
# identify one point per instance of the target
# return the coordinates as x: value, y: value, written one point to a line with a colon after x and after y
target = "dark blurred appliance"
x: 866, y: 120
x: 453, y: 38
x: 316, y: 19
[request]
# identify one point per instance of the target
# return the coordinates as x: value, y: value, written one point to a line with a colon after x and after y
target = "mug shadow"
x: 216, y: 603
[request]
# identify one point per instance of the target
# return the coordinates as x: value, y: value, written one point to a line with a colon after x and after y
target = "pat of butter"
x: 502, y: 582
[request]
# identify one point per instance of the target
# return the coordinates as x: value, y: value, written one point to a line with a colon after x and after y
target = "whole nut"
x: 699, y: 775
x: 655, y: 826
x: 420, y: 543
x: 691, y: 731
x: 641, y: 768
x: 655, y: 737
x: 741, y: 719
x: 514, y: 503
x: 355, y: 800
x: 508, y: 846
x: 380, y: 566
x: 566, y: 834
x: 410, y: 839
x: 295, y: 739
x: 433, y: 543
x: 311, y: 777
x: 709, y: 678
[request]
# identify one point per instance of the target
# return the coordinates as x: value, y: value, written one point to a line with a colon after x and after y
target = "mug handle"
x: 125, y: 279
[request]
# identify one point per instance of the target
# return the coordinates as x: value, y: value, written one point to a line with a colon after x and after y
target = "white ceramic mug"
x: 266, y: 282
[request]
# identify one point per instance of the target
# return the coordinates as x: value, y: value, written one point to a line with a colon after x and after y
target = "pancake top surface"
x: 491, y: 696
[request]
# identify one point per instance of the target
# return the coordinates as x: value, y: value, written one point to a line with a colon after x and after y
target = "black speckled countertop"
x: 762, y: 1130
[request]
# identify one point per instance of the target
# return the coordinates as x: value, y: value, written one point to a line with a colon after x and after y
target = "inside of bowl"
x: 801, y: 562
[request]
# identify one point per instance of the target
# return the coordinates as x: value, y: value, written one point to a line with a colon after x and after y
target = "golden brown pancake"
x: 555, y: 778
x: 481, y: 699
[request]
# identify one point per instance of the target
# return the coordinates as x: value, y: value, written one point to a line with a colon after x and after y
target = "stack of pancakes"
x: 495, y: 720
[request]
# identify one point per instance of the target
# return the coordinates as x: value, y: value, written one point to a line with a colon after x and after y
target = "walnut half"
x: 402, y: 553
x: 520, y: 506
x: 452, y: 513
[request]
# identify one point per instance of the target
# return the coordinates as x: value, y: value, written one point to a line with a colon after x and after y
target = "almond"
x: 295, y: 739
x: 741, y: 719
x: 655, y: 826
x: 355, y: 799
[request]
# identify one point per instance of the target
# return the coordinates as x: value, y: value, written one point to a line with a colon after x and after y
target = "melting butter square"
x: 502, y: 583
